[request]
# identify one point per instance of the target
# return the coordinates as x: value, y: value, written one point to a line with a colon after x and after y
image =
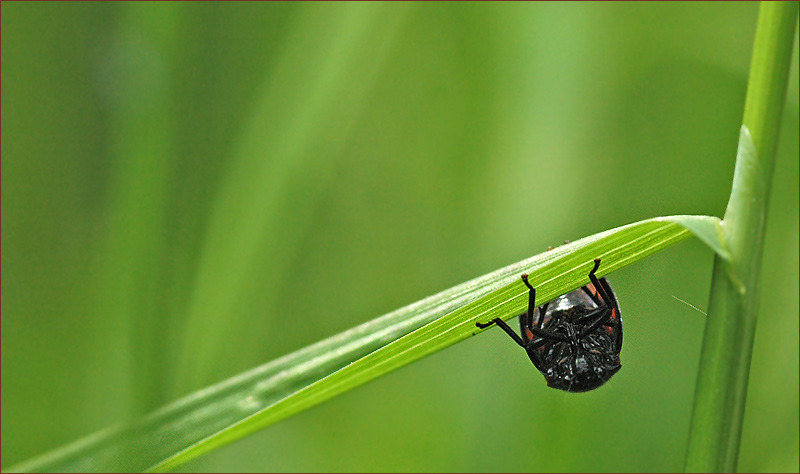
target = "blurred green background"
x: 190, y: 190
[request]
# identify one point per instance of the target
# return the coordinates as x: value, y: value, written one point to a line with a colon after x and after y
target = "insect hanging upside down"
x: 574, y: 340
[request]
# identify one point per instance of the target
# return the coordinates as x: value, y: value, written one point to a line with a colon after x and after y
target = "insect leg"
x: 549, y: 335
x: 602, y: 315
x: 505, y: 328
x: 527, y: 318
x: 600, y: 288
x: 591, y: 295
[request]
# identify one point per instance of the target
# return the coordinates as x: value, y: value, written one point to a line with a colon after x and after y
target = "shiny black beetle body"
x: 574, y: 340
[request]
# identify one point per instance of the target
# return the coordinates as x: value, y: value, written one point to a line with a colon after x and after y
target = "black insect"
x: 574, y: 340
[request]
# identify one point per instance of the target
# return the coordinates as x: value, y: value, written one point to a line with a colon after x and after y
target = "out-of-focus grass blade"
x: 280, y: 167
x: 254, y: 400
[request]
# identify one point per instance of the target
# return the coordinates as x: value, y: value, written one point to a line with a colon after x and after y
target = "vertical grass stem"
x: 721, y: 392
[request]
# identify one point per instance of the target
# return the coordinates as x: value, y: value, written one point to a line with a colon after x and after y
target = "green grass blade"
x: 282, y: 164
x: 265, y: 395
x: 553, y: 273
x: 130, y: 274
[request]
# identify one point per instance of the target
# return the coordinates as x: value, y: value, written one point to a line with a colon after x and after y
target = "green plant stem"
x: 721, y: 392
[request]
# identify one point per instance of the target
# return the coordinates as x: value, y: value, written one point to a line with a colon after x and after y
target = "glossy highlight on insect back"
x: 574, y: 340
